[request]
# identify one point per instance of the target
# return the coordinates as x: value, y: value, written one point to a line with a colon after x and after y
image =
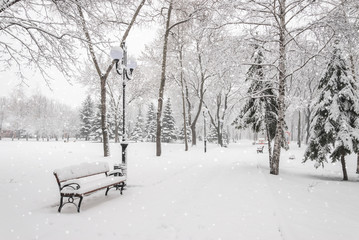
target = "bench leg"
x: 122, y: 185
x: 108, y: 189
x: 78, y: 207
x: 61, y: 201
x: 70, y: 199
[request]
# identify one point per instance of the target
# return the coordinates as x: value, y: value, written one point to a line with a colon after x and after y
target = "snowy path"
x: 225, y: 194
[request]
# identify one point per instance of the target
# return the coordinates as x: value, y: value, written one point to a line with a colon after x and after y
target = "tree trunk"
x: 116, y: 128
x: 292, y: 130
x: 344, y: 168
x: 106, y: 147
x: 162, y: 83
x: 269, y: 140
x: 274, y: 169
x: 189, y: 105
x: 183, y: 103
x: 219, y: 134
x: 352, y: 66
x: 308, y: 125
x: 194, y: 134
x: 299, y: 130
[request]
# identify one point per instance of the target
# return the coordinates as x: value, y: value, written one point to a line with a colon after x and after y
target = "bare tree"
x: 36, y: 34
x: 163, y: 80
x: 89, y: 34
x: 187, y: 15
x: 179, y: 46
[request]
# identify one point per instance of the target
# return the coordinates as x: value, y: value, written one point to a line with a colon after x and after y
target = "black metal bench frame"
x: 75, y: 186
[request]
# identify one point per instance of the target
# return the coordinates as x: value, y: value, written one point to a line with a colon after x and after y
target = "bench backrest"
x: 81, y: 170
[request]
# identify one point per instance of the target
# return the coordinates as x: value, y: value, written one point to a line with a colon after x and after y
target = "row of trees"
x: 202, y: 55
x: 143, y: 129
x: 331, y: 99
x: 77, y: 25
x: 36, y: 116
x: 42, y: 34
x: 202, y: 48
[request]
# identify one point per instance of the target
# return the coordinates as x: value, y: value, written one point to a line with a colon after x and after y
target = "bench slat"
x: 95, y: 185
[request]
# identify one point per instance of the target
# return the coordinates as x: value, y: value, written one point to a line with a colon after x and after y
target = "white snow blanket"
x: 225, y: 193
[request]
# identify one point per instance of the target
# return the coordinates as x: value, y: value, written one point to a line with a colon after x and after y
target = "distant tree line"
x: 37, y: 117
x: 143, y: 130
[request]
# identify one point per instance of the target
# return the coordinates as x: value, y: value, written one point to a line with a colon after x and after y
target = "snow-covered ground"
x: 226, y: 193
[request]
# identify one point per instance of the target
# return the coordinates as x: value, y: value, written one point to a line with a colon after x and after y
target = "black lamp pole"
x: 120, y: 56
x: 124, y: 144
x: 121, y: 64
x: 204, y: 134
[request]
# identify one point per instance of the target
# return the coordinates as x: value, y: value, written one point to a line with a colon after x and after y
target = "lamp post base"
x: 123, y: 166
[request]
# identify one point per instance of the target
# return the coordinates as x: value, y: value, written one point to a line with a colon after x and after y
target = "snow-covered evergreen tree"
x: 112, y: 121
x: 260, y: 112
x: 181, y: 134
x: 168, y: 124
x: 96, y: 131
x: 260, y: 109
x: 137, y: 133
x: 111, y: 124
x: 86, y: 117
x: 335, y: 120
x: 150, y: 129
x: 212, y: 135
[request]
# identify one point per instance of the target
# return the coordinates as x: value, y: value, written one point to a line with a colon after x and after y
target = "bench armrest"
x: 74, y: 186
x: 114, y: 172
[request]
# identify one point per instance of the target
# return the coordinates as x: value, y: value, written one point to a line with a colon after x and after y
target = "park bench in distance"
x: 260, y: 149
x: 83, y: 179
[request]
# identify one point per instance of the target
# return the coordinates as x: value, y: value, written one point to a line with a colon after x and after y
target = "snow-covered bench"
x: 260, y: 149
x: 83, y: 179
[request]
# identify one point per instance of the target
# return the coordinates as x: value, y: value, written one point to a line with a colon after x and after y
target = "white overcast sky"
x: 63, y: 91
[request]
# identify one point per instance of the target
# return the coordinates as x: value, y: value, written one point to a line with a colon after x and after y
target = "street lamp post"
x: 125, y: 69
x: 204, y: 132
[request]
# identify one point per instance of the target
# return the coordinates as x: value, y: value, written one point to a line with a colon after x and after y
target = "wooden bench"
x: 81, y: 180
x: 260, y: 149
